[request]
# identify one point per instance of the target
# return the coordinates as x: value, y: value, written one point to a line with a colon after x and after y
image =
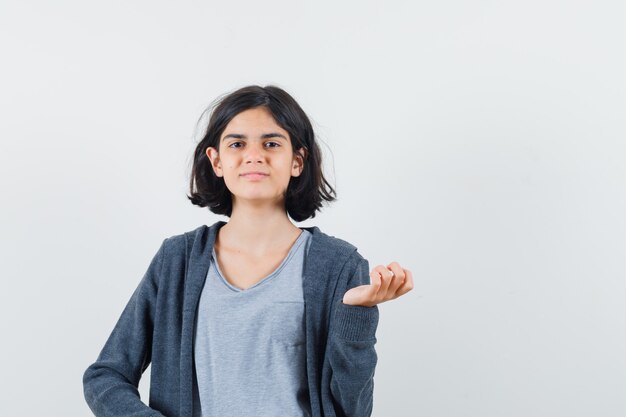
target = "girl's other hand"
x: 387, y: 283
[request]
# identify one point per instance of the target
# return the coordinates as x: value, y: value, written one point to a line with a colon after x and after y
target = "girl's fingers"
x: 397, y: 279
x: 407, y: 285
x: 375, y: 281
x: 390, y: 282
x: 385, y: 278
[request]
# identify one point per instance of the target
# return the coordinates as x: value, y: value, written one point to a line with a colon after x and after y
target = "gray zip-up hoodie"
x: 156, y: 327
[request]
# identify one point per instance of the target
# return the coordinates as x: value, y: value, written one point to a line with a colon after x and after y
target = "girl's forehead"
x: 257, y: 119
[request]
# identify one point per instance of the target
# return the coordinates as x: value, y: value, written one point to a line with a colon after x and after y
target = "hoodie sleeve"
x: 110, y: 383
x: 351, y: 353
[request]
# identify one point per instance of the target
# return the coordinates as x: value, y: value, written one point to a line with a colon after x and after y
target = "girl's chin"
x: 257, y: 199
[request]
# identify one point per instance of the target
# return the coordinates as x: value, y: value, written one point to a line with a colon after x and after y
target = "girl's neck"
x: 257, y: 230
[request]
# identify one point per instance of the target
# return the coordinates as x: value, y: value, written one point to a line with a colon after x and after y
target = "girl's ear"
x: 298, y: 162
x: 214, y: 157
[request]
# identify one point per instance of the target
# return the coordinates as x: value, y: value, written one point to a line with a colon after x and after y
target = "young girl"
x: 254, y: 316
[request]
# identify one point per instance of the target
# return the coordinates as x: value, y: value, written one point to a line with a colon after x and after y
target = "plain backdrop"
x: 480, y: 144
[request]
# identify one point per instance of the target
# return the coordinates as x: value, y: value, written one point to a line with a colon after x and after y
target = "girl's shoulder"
x: 333, y: 242
x: 334, y: 251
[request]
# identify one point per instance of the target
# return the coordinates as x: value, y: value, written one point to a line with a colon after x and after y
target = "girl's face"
x: 253, y: 142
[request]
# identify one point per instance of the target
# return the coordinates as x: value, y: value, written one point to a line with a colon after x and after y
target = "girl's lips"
x: 254, y: 176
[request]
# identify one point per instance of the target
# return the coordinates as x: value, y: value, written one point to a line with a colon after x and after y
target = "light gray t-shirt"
x: 249, y: 344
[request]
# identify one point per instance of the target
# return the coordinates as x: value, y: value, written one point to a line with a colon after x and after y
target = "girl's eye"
x: 274, y: 144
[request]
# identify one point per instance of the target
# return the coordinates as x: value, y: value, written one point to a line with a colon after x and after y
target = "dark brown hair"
x: 304, y: 194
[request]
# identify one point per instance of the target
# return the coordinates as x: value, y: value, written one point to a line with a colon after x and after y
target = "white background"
x: 480, y: 144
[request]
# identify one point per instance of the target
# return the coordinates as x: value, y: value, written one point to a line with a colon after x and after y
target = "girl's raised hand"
x: 387, y: 283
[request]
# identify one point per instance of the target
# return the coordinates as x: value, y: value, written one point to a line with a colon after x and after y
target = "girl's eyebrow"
x: 263, y: 136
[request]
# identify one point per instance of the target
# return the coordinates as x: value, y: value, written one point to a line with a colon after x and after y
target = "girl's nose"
x: 254, y: 151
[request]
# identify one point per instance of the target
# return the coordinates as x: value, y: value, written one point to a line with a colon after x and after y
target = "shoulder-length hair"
x: 304, y: 194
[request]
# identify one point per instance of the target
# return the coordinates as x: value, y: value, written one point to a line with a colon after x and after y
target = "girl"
x: 254, y: 316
